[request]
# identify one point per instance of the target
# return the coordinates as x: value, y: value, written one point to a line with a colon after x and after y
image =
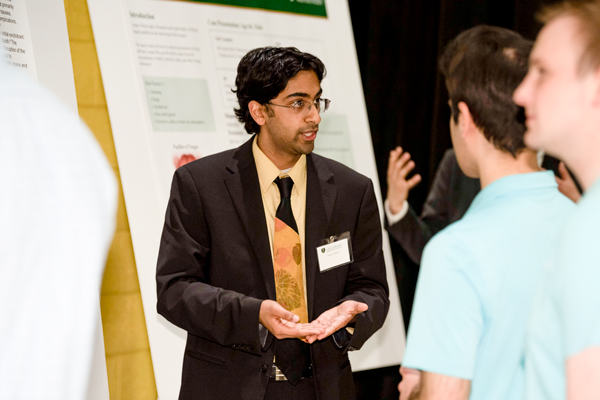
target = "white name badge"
x: 335, y: 253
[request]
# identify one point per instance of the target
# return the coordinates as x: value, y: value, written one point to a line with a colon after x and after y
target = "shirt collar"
x: 513, y: 185
x: 268, y: 172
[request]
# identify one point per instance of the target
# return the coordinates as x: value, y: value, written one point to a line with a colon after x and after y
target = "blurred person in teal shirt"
x: 479, y: 275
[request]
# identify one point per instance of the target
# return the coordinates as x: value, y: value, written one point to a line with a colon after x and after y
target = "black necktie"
x: 292, y: 356
x: 284, y: 211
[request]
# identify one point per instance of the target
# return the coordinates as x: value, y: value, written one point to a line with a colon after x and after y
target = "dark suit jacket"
x: 215, y: 267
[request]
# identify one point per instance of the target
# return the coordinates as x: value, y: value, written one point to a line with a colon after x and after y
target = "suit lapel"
x: 321, y: 194
x: 244, y: 189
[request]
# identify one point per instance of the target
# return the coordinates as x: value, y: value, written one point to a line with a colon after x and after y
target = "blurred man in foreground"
x: 561, y: 96
x: 57, y: 220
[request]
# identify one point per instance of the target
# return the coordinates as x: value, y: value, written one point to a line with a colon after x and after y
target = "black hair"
x: 483, y: 66
x: 264, y: 72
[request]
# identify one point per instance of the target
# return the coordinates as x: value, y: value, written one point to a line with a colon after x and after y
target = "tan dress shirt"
x: 267, y: 173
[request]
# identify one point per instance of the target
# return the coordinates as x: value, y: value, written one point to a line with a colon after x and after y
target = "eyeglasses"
x: 304, y: 106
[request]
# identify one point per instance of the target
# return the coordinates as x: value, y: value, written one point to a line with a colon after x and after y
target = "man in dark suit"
x: 224, y: 256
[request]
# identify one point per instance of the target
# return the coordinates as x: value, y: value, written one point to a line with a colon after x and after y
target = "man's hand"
x: 399, y: 166
x: 283, y: 324
x: 423, y: 385
x: 336, y: 318
x: 410, y: 385
x: 566, y: 184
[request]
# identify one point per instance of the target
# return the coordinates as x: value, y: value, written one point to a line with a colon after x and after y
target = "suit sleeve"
x: 367, y: 281
x: 413, y: 232
x: 184, y: 296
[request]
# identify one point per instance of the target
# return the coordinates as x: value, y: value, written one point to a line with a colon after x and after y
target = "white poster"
x: 16, y: 36
x: 35, y: 40
x: 186, y: 55
x: 168, y: 68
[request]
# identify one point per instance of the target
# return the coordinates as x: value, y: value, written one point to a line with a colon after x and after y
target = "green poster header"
x: 305, y: 7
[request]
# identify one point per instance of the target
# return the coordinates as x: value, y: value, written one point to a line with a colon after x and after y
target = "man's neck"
x: 582, y: 156
x: 281, y: 159
x: 585, y: 167
x: 497, y: 164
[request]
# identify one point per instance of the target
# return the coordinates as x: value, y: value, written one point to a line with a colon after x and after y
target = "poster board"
x: 168, y: 68
x: 35, y: 39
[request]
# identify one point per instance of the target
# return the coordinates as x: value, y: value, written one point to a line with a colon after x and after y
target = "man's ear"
x: 465, y: 119
x: 258, y: 112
